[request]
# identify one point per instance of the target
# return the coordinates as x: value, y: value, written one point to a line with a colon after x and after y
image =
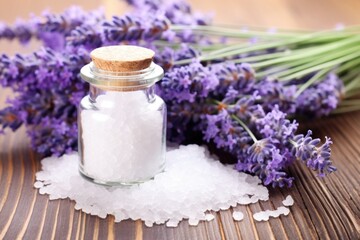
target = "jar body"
x: 121, y: 135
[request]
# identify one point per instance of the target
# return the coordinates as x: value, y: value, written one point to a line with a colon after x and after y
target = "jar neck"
x: 122, y: 81
x: 96, y: 91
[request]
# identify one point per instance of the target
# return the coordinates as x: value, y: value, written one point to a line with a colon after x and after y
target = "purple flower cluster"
x: 49, y: 92
x: 274, y: 93
x: 52, y: 29
x: 237, y: 116
x: 129, y: 29
x: 307, y: 149
x: 176, y: 12
x: 185, y: 90
x: 321, y: 98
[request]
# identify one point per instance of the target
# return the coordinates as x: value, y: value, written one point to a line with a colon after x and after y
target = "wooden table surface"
x: 323, y: 209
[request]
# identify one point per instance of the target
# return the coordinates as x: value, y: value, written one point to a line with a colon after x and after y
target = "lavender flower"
x: 321, y: 98
x: 49, y: 89
x: 177, y: 13
x: 240, y: 77
x: 22, y: 30
x: 274, y: 125
x: 273, y: 93
x: 9, y: 119
x: 225, y: 132
x: 306, y: 149
x: 50, y: 140
x: 167, y: 56
x: 265, y: 160
x: 188, y: 83
x: 52, y: 29
x: 185, y: 90
x: 127, y: 28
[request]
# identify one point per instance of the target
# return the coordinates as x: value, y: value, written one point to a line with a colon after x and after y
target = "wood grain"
x: 326, y: 208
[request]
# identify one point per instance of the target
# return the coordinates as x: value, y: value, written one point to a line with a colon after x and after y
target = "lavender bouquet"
x: 210, y: 87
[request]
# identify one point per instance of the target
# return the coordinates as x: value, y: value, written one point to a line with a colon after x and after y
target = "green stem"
x: 293, y: 142
x: 230, y: 32
x: 346, y: 109
x: 355, y: 83
x: 328, y: 64
x: 304, y: 63
x: 310, y: 52
x: 350, y: 102
x: 234, y: 50
x: 346, y: 66
x: 245, y: 127
x: 263, y: 57
x: 311, y: 81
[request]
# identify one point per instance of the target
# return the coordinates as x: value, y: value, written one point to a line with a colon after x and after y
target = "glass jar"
x: 122, y: 126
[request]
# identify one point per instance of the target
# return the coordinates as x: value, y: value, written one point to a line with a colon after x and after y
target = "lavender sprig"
x: 316, y: 157
x: 321, y: 98
x: 51, y: 29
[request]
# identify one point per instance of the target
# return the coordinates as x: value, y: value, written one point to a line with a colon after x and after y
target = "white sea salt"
x: 172, y: 223
x: 265, y: 215
x: 238, y: 216
x: 38, y: 184
x: 209, y: 217
x: 289, y: 201
x: 123, y: 139
x: 193, y: 221
x: 192, y: 184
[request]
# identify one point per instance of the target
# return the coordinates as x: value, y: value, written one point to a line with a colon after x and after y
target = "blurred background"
x: 304, y: 14
x: 315, y: 14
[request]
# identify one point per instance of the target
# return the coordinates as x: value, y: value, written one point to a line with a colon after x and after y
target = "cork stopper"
x: 122, y: 58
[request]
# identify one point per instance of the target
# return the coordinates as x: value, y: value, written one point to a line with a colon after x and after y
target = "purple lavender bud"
x: 167, y: 56
x: 9, y: 119
x: 265, y: 160
x: 274, y: 125
x: 316, y: 157
x: 273, y: 93
x: 54, y: 137
x: 188, y: 82
x: 321, y: 98
x: 239, y: 76
x: 224, y: 132
x: 23, y: 31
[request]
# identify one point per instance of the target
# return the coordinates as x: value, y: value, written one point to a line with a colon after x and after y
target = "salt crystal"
x: 238, y: 216
x: 102, y: 214
x: 172, y: 223
x: 192, y: 184
x: 209, y: 217
x: 261, y: 216
x: 193, y: 222
x: 149, y: 223
x: 289, y: 201
x: 265, y: 215
x: 42, y: 191
x: 38, y: 184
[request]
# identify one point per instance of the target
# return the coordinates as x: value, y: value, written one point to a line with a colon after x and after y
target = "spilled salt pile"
x: 192, y: 183
x: 265, y: 215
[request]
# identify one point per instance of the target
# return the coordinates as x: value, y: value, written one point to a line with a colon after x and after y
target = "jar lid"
x: 122, y: 68
x: 122, y: 58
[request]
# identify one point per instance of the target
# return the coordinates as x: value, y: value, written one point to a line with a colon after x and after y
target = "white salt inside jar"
x: 121, y: 121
